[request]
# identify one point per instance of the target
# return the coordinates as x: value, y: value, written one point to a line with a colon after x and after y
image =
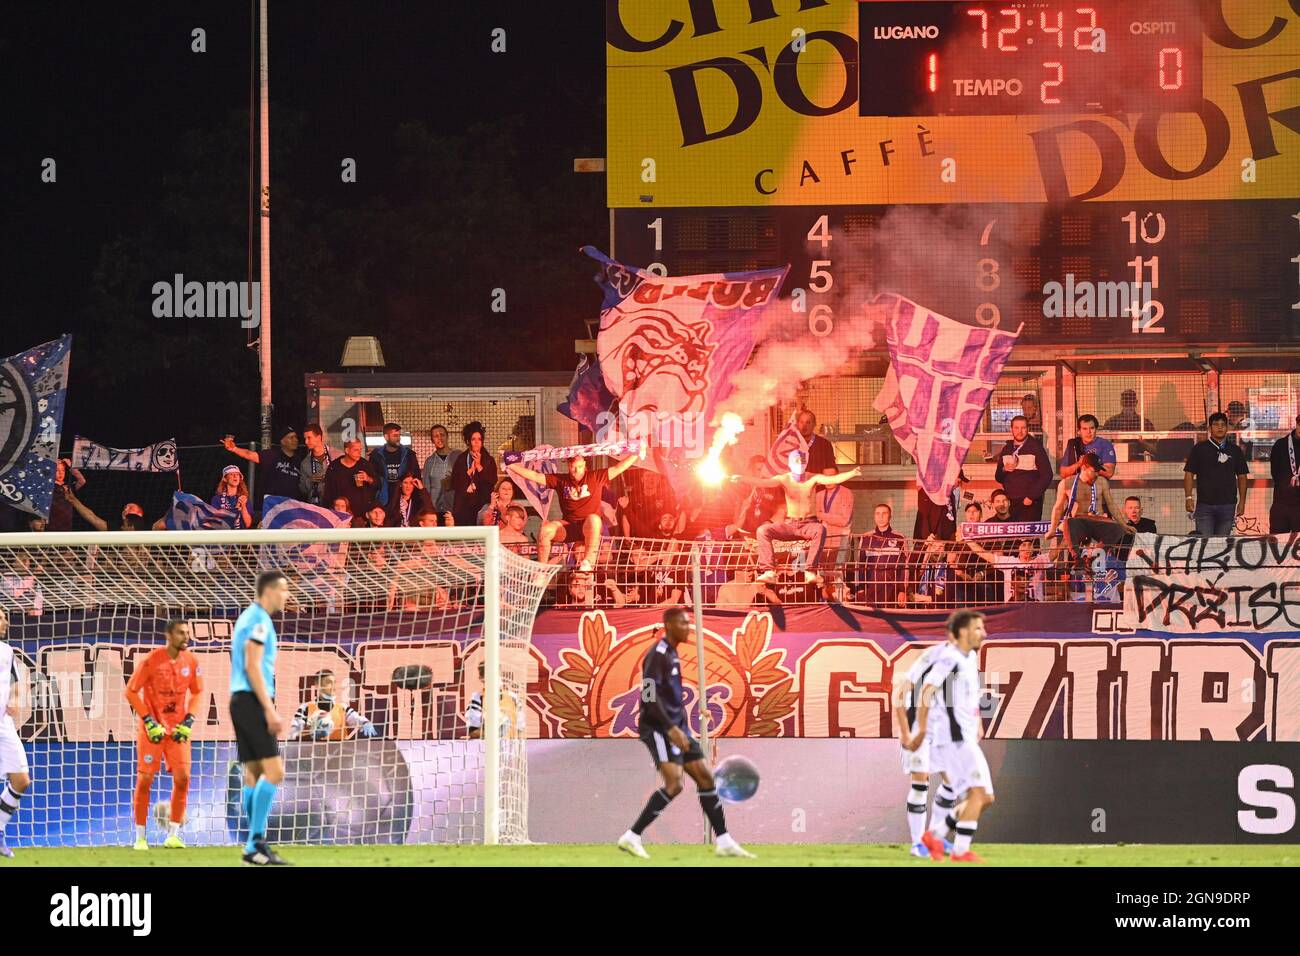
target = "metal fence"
x: 860, y: 569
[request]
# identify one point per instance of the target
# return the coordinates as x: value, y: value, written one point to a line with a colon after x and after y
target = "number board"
x: 1091, y: 274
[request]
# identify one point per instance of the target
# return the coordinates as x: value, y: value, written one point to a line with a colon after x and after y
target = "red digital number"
x: 1092, y: 25
x: 1012, y: 30
x: 1175, y: 68
x: 984, y: 26
x: 1060, y: 78
x: 1059, y: 29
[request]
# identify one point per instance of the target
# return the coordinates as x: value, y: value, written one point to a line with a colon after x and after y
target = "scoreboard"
x: 1101, y: 56
x: 1119, y: 274
x: 1104, y: 173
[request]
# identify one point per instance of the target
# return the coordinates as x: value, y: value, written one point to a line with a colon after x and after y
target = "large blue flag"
x: 588, y: 397
x: 190, y: 513
x: 33, y: 389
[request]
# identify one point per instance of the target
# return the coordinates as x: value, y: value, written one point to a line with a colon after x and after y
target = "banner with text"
x: 1243, y: 584
x: 92, y: 456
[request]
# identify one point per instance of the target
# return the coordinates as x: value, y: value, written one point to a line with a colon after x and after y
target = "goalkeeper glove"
x: 153, y: 730
x: 183, y: 730
x: 368, y: 730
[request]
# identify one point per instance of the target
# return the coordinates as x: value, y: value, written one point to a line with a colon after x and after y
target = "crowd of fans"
x: 622, y: 533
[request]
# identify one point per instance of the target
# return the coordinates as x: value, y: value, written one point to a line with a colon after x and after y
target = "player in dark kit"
x: 664, y: 730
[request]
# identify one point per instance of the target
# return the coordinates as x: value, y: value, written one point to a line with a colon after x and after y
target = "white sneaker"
x: 767, y: 577
x: 812, y: 577
x: 727, y: 846
x: 629, y: 842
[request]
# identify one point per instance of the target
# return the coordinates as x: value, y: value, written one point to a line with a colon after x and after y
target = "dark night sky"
x: 112, y: 91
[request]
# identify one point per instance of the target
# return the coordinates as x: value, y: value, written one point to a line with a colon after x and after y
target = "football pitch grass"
x: 771, y: 854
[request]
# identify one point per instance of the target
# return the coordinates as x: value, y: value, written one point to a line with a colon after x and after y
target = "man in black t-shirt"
x: 279, y: 469
x: 580, y: 492
x: 352, y: 477
x: 1218, y: 468
x: 1133, y: 512
x: 821, y: 456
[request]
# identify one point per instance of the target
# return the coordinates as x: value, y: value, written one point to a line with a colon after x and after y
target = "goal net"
x: 377, y: 681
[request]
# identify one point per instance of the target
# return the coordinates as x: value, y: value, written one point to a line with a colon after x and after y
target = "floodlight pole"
x: 264, y: 205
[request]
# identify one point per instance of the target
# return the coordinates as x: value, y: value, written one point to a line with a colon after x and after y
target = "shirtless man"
x: 801, y: 522
x: 1080, y: 501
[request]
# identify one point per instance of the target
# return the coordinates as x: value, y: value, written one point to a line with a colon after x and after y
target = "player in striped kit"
x: 952, y: 688
x: 918, y: 763
x: 13, y: 759
x: 514, y: 718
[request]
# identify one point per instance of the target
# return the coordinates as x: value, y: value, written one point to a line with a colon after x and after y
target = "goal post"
x: 377, y: 681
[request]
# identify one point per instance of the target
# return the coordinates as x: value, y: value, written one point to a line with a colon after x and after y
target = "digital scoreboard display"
x: 934, y: 59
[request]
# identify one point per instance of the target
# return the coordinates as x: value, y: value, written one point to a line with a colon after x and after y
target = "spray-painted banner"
x: 1182, y: 585
x: 733, y: 103
x: 1053, y: 671
x: 92, y: 456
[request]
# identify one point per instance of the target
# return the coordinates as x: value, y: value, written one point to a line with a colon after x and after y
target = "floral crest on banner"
x: 597, y: 693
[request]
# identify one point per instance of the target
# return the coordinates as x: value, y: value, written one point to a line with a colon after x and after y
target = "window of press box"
x: 1261, y: 408
x: 1149, y: 416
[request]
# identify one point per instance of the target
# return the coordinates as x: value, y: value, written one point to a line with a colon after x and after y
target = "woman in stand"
x: 232, y: 495
x: 473, y: 476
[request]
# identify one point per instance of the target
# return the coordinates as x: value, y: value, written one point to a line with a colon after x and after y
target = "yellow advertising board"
x: 783, y: 102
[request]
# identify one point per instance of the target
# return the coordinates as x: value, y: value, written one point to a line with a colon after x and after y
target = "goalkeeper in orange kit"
x: 164, y: 677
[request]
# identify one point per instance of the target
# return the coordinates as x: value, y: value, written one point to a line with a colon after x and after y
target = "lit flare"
x: 710, y: 470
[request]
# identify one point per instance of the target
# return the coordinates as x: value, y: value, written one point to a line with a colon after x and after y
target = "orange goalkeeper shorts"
x: 152, y: 756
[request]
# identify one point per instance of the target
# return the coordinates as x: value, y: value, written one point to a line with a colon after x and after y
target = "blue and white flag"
x: 33, y: 389
x: 539, y: 496
x: 189, y: 513
x: 670, y: 348
x: 941, y: 376
x: 278, y: 512
x: 319, y: 565
x: 790, y: 439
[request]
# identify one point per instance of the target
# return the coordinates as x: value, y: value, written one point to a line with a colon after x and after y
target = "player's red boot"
x: 968, y: 857
x: 933, y: 844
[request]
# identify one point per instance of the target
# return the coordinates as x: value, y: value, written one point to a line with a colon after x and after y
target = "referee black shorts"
x: 253, y: 738
x: 662, y: 750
